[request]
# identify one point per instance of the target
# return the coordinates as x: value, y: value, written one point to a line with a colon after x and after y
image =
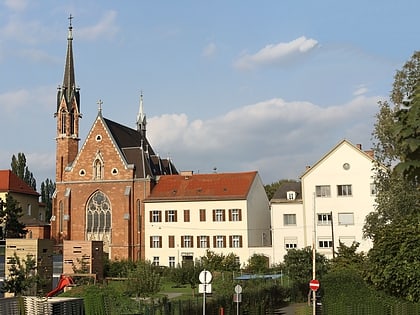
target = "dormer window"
x: 291, y: 195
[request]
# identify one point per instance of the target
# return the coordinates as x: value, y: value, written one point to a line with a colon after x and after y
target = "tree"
x: 143, y: 280
x: 257, y: 264
x: 212, y: 261
x: 20, y: 168
x: 348, y: 258
x: 392, y: 263
x: 10, y: 214
x: 298, y: 267
x: 47, y: 191
x: 22, y: 276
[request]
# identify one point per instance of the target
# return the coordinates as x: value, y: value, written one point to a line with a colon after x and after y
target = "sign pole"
x: 314, y: 259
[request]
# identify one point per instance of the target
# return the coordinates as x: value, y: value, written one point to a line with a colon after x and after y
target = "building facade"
x: 188, y: 214
x: 101, y: 186
x: 338, y: 193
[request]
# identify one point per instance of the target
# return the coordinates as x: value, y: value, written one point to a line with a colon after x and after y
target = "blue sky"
x: 242, y: 85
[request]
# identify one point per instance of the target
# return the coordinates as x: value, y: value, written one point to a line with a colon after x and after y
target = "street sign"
x: 204, y: 288
x: 238, y: 289
x: 205, y: 277
x: 314, y: 285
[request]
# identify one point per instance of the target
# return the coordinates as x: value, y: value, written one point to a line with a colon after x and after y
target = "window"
x: 291, y: 195
x: 344, y: 190
x: 235, y: 215
x: 324, y: 218
x: 155, y: 241
x: 373, y: 189
x: 202, y: 215
x: 290, y: 243
x: 171, y: 261
x: 187, y: 241
x: 98, y: 169
x: 346, y: 218
x: 289, y: 219
x: 186, y: 215
x: 219, y: 215
x: 219, y: 241
x: 235, y: 241
x: 29, y: 209
x: 171, y: 241
x: 323, y: 191
x: 155, y: 261
x: 203, y: 241
x: 98, y: 214
x: 155, y: 216
x: 326, y: 243
x: 170, y: 216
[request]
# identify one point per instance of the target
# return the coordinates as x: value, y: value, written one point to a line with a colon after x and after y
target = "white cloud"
x: 209, y: 50
x: 360, y: 90
x: 275, y: 137
x: 276, y: 54
x: 16, y: 5
x: 106, y: 27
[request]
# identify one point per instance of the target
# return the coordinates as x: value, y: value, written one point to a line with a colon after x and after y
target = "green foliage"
x: 22, y: 276
x: 143, y: 280
x: 219, y: 262
x: 10, y: 213
x: 117, y: 268
x: 298, y: 267
x: 347, y: 258
x: 270, y: 189
x: 257, y: 264
x: 47, y: 191
x: 20, y: 168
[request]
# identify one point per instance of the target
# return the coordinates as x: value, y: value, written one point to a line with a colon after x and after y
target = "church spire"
x: 141, y: 117
x: 69, y: 90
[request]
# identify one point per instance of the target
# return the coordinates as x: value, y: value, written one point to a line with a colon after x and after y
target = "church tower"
x: 67, y: 114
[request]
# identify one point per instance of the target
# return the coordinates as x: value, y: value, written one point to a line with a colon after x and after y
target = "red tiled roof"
x: 202, y: 187
x: 10, y: 182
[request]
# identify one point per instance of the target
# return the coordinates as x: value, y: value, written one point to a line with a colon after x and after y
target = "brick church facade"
x: 100, y: 187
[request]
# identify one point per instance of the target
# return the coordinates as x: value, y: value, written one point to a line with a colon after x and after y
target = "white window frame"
x: 220, y: 243
x: 187, y: 241
x: 323, y: 191
x: 218, y: 215
x: 344, y: 190
x: 236, y: 241
x: 171, y: 261
x: 204, y: 241
x: 290, y: 243
x: 324, y: 243
x: 155, y: 260
x: 346, y: 218
x: 289, y: 219
x: 155, y: 241
x: 235, y: 214
x: 324, y: 218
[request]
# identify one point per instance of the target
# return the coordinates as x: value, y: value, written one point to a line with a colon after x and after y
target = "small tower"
x: 141, y: 118
x: 67, y: 114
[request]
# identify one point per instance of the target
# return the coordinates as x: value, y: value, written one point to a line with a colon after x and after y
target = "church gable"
x: 100, y: 157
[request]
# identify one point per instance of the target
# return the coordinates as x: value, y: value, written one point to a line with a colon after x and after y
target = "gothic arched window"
x: 98, y: 214
x: 97, y: 169
x: 63, y: 121
x: 72, y: 122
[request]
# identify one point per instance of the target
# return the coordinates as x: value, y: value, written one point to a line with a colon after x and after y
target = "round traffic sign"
x: 205, y: 277
x: 314, y: 285
x: 238, y: 289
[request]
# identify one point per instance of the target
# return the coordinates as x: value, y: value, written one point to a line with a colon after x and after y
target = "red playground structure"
x: 64, y: 281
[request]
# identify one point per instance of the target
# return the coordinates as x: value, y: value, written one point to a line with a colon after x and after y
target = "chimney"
x: 359, y: 146
x: 370, y: 153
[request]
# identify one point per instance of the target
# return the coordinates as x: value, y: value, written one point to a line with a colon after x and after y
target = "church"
x: 101, y: 185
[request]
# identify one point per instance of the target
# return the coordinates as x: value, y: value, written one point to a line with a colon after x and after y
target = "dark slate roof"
x: 10, y: 182
x: 137, y: 151
x: 281, y: 193
x: 190, y: 187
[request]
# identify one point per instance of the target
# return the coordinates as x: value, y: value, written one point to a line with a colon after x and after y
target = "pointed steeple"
x: 141, y: 118
x: 69, y: 90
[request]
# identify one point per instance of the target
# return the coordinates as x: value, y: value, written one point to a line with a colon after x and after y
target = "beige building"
x: 188, y: 214
x: 337, y: 193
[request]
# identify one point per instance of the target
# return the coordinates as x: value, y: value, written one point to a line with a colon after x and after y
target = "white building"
x: 187, y: 214
x: 337, y: 194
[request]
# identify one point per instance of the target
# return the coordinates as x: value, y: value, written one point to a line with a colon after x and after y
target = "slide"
x: 62, y: 283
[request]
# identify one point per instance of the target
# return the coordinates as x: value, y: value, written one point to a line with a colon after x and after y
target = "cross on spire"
x: 70, y: 18
x: 100, y: 105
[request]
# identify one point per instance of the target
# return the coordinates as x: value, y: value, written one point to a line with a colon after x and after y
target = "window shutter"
x: 150, y: 216
x: 214, y: 215
x: 214, y: 242
x: 240, y: 214
x: 160, y: 241
x: 182, y: 241
x: 223, y: 215
x: 198, y: 242
x: 224, y: 240
x: 208, y: 241
x: 192, y: 241
x: 176, y: 216
x: 151, y: 241
x: 230, y: 240
x: 171, y: 241
x: 166, y: 216
x: 230, y: 214
x: 240, y: 241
